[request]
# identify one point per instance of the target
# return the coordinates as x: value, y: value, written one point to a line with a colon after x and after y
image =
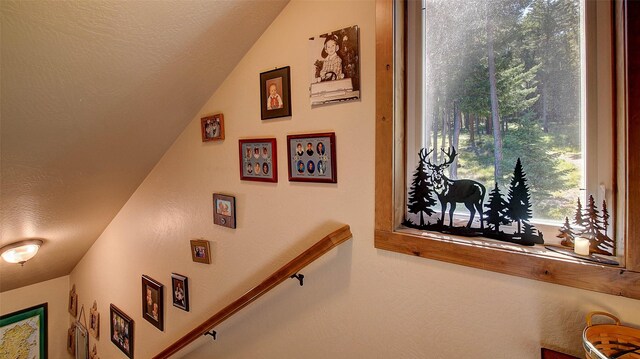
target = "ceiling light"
x: 20, y: 252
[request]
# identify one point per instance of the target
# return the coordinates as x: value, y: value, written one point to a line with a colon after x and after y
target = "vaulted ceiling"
x: 92, y: 94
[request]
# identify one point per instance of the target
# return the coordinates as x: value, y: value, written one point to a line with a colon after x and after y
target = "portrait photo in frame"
x: 73, y: 302
x: 212, y: 127
x: 200, y: 251
x: 180, y: 291
x: 275, y: 93
x: 312, y: 157
x: 224, y: 210
x: 121, y: 330
x: 153, y: 302
x: 36, y: 318
x: 258, y: 160
x: 94, y: 320
x: 334, y: 70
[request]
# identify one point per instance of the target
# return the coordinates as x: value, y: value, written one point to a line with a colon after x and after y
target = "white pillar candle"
x: 581, y: 246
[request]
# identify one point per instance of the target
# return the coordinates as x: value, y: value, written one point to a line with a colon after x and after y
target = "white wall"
x: 55, y: 293
x: 357, y: 301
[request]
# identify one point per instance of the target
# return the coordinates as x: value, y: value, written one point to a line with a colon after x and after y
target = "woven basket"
x: 607, y: 341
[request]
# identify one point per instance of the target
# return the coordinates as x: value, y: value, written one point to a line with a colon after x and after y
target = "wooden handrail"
x: 285, y: 272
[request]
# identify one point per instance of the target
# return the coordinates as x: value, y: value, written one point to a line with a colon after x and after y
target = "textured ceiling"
x: 92, y: 94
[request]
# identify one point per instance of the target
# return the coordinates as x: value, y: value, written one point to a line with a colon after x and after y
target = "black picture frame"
x: 37, y: 315
x: 153, y: 302
x: 224, y: 210
x: 254, y: 154
x: 180, y: 291
x: 280, y: 104
x: 312, y: 157
x: 121, y: 330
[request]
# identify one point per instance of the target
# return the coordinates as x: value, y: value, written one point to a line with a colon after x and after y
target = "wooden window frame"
x: 532, y: 264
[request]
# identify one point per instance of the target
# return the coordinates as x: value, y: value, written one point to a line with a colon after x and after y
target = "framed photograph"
x: 34, y: 321
x: 224, y: 210
x: 71, y: 339
x: 312, y: 157
x: 258, y: 160
x: 212, y: 128
x: 275, y: 93
x: 200, y: 251
x: 94, y: 320
x: 153, y: 302
x: 334, y: 70
x: 94, y: 352
x: 180, y: 291
x: 73, y: 302
x: 121, y: 330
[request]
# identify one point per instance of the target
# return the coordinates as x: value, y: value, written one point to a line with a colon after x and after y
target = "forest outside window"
x: 497, y: 92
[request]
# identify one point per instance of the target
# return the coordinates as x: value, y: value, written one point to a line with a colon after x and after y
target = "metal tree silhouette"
x: 420, y: 196
x: 519, y: 200
x: 496, y: 213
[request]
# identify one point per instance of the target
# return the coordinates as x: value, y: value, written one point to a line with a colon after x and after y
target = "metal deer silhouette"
x: 450, y: 192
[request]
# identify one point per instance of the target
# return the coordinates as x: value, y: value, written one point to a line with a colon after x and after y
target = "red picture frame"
x: 258, y: 159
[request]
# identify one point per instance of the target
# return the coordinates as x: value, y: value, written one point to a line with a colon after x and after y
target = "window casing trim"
x: 390, y: 181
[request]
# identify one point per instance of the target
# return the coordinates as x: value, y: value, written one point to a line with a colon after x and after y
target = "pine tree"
x: 566, y: 233
x: 605, y: 216
x: 591, y: 221
x: 577, y: 218
x: 519, y: 200
x: 420, y: 195
x: 496, y: 213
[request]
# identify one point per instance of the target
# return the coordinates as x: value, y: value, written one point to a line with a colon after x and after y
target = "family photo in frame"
x: 224, y: 210
x: 334, y: 70
x: 200, y: 251
x: 153, y: 302
x: 312, y: 157
x: 121, y: 330
x: 212, y: 128
x: 275, y: 93
x: 258, y: 160
x: 180, y: 291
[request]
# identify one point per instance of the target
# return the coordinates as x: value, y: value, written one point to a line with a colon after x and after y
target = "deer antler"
x: 451, y: 155
x: 424, y: 155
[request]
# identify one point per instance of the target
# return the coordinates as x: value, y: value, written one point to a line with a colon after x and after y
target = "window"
x: 394, y: 137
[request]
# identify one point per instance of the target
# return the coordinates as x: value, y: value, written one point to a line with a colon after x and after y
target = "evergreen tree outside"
x: 519, y: 199
x: 496, y: 213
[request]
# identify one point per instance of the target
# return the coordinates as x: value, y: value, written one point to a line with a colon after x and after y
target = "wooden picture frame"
x: 73, y: 302
x: 153, y: 302
x: 312, y: 157
x: 200, y: 251
x: 94, y: 321
x: 180, y: 291
x: 122, y: 327
x: 258, y: 160
x: 224, y: 210
x: 71, y: 339
x: 93, y: 354
x: 275, y: 93
x: 212, y: 127
x: 36, y: 318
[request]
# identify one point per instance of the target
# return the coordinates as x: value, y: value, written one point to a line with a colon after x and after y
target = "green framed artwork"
x: 24, y: 333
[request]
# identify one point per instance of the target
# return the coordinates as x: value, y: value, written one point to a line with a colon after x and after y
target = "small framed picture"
x: 200, y: 251
x: 153, y: 302
x: 71, y: 339
x: 73, y: 302
x: 224, y: 210
x: 275, y: 93
x: 258, y: 160
x: 312, y: 157
x: 212, y: 128
x: 180, y: 291
x: 121, y: 330
x: 94, y: 320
